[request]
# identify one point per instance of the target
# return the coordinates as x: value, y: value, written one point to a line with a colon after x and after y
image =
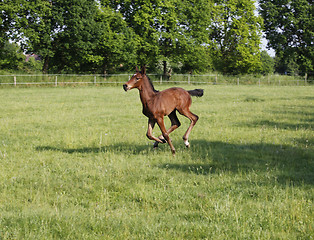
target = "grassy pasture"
x: 76, y: 164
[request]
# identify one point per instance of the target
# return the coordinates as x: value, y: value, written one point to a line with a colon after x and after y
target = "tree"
x: 11, y: 56
x: 170, y: 30
x: 117, y: 43
x: 237, y: 32
x: 72, y: 33
x: 8, y: 12
x: 194, y: 47
x: 69, y: 35
x: 289, y: 27
x: 268, y: 63
x: 141, y: 17
x: 37, y: 27
x: 102, y: 35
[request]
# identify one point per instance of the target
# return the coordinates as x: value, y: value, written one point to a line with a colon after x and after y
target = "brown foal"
x: 157, y: 104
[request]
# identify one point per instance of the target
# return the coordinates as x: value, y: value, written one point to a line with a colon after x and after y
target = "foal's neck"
x: 146, y: 90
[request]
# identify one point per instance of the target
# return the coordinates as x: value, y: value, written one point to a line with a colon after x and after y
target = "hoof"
x: 173, y: 152
x: 156, y: 145
x: 186, y: 143
x: 163, y: 140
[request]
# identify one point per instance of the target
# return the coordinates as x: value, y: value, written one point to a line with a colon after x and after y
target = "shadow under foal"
x: 157, y: 104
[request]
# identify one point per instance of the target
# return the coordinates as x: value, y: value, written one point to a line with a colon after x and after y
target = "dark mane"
x: 151, y: 83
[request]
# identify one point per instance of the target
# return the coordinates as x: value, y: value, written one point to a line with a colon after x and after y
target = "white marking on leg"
x: 186, y: 142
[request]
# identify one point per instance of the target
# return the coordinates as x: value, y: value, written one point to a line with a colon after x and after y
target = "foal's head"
x: 136, y: 80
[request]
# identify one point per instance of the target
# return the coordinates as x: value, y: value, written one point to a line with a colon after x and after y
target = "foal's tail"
x: 196, y: 92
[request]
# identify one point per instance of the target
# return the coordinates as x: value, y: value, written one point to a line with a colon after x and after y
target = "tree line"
x: 103, y: 36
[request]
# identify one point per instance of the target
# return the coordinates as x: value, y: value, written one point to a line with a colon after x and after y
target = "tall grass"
x: 75, y: 164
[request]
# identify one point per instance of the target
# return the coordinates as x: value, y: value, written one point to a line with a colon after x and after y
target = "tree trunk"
x: 46, y: 64
x: 165, y: 68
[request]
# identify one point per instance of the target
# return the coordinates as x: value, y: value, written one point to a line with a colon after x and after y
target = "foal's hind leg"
x: 193, y: 119
x: 175, y: 123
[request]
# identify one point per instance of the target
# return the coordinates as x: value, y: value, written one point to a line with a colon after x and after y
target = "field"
x: 76, y: 164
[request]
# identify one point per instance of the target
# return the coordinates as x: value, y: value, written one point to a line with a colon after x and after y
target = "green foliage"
x: 11, y: 56
x: 76, y: 35
x: 69, y: 35
x: 33, y: 65
x: 12, y: 59
x: 110, y: 36
x: 171, y: 31
x: 8, y: 17
x: 76, y: 164
x: 268, y: 63
x: 237, y: 33
x: 195, y: 47
x: 116, y: 49
x: 289, y: 30
x: 141, y: 22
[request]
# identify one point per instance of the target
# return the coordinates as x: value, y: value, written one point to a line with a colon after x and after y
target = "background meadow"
x: 76, y: 164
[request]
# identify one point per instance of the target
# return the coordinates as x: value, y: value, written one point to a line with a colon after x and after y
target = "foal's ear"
x: 143, y: 70
x: 136, y: 69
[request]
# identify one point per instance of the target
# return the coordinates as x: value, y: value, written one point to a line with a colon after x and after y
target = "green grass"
x: 76, y: 164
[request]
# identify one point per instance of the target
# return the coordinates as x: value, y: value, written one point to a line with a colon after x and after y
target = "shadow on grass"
x: 281, y: 125
x: 289, y: 117
x: 293, y: 164
x: 117, y: 148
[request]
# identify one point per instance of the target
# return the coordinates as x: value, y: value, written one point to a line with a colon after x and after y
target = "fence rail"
x: 213, y: 79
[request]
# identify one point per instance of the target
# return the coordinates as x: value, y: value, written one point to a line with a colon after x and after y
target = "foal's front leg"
x: 149, y: 134
x: 175, y: 123
x: 161, y: 124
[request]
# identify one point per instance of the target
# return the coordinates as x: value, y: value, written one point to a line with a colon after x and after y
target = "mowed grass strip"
x: 76, y: 164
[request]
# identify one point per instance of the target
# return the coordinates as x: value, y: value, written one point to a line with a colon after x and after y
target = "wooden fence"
x: 114, y: 79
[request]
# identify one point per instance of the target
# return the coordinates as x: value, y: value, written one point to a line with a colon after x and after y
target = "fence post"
x: 216, y: 79
x: 95, y: 79
x: 160, y: 79
x: 56, y: 81
x: 238, y: 81
x: 305, y: 79
x: 189, y: 79
x: 14, y: 80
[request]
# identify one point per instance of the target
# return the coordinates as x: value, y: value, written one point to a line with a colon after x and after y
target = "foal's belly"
x: 169, y: 100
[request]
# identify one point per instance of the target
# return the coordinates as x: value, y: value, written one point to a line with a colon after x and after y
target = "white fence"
x: 214, y: 79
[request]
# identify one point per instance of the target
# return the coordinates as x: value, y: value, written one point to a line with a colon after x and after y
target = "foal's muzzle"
x: 125, y: 87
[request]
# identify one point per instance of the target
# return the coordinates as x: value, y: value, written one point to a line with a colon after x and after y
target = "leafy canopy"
x: 289, y: 28
x: 113, y: 35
